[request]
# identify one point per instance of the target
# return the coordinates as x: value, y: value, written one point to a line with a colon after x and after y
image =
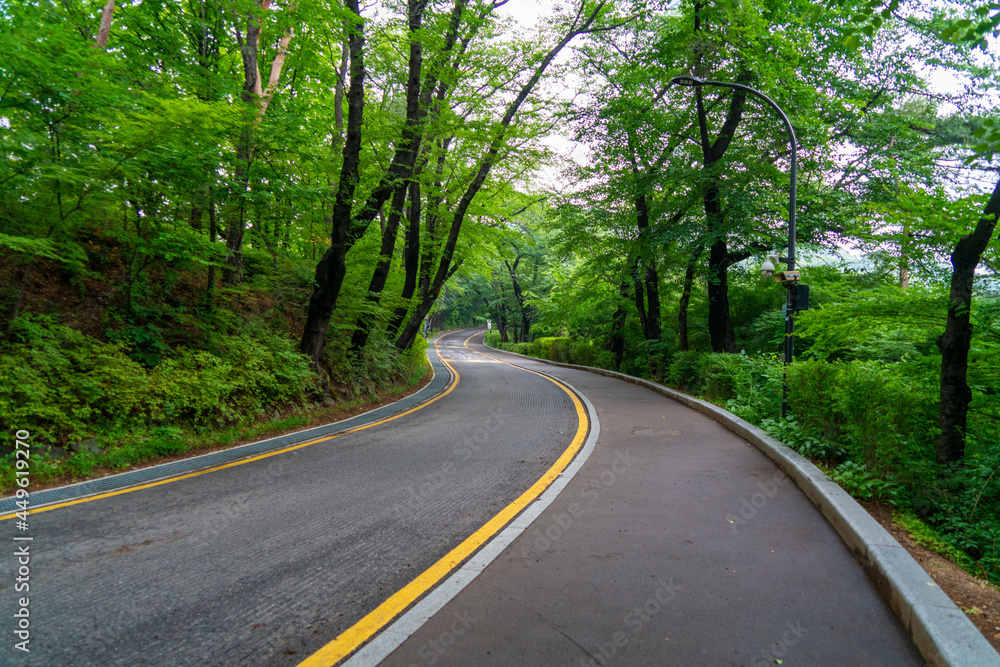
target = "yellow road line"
x: 233, y: 464
x: 351, y: 639
x: 476, y: 361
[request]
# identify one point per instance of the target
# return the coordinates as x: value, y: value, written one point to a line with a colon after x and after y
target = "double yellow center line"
x: 352, y: 638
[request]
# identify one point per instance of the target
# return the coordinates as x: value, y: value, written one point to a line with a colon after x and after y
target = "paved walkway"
x: 677, y: 543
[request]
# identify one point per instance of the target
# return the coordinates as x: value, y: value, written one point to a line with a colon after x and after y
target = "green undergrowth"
x: 559, y: 349
x: 925, y: 535
x: 93, y: 406
x: 868, y: 424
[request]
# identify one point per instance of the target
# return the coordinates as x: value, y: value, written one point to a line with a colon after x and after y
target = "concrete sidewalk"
x: 676, y: 544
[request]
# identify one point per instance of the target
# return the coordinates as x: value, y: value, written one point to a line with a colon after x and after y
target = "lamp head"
x: 688, y: 80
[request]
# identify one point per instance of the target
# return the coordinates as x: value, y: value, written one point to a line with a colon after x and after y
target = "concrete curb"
x: 939, y: 629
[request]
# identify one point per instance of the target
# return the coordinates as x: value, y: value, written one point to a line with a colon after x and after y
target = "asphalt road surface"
x: 675, y: 543
x: 264, y: 563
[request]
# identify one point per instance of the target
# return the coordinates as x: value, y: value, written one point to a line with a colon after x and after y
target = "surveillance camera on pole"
x: 767, y: 269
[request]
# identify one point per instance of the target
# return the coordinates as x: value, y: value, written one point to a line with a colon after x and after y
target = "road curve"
x: 677, y: 543
x: 267, y: 562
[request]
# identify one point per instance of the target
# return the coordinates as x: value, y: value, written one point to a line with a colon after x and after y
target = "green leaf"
x: 29, y: 246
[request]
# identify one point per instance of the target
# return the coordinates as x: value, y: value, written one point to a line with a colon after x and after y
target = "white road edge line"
x: 406, y: 625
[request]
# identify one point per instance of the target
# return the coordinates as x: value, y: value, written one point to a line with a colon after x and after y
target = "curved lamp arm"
x: 694, y: 81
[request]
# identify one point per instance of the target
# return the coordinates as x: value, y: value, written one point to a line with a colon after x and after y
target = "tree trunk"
x: 381, y: 273
x: 956, y: 340
x: 412, y: 137
x: 647, y: 291
x: 651, y: 326
x: 411, y: 259
x: 249, y: 49
x: 904, y: 257
x: 720, y: 323
x: 338, y: 98
x: 639, y: 295
x: 682, y: 308
x: 616, y: 341
x: 212, y: 231
x: 15, y: 309
x: 252, y: 93
x: 232, y: 272
x: 348, y: 227
x: 519, y: 297
x: 277, y: 65
x: 330, y: 273
x: 332, y: 268
x: 105, y: 30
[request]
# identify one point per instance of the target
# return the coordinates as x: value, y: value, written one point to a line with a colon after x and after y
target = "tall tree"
x: 955, y: 342
x: 332, y: 267
x: 256, y: 98
x: 585, y: 20
x: 720, y: 324
x: 419, y: 99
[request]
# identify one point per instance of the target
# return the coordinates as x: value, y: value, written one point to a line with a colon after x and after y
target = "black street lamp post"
x: 789, y: 277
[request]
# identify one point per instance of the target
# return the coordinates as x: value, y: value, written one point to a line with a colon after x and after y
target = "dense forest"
x: 220, y: 217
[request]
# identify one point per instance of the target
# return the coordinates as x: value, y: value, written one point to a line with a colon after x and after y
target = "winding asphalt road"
x: 264, y: 563
x: 676, y: 543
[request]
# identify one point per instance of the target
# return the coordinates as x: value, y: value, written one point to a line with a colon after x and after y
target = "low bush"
x: 687, y: 371
x: 750, y: 386
x: 66, y: 388
x: 559, y: 349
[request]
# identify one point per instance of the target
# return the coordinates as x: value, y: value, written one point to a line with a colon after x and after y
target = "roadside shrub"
x: 870, y: 404
x: 527, y: 349
x: 68, y: 386
x: 862, y: 483
x: 964, y: 505
x: 59, y: 382
x: 876, y: 409
x: 560, y: 349
x: 379, y: 365
x: 750, y: 385
x: 555, y: 349
x: 811, y: 390
x: 810, y: 443
x: 687, y: 371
